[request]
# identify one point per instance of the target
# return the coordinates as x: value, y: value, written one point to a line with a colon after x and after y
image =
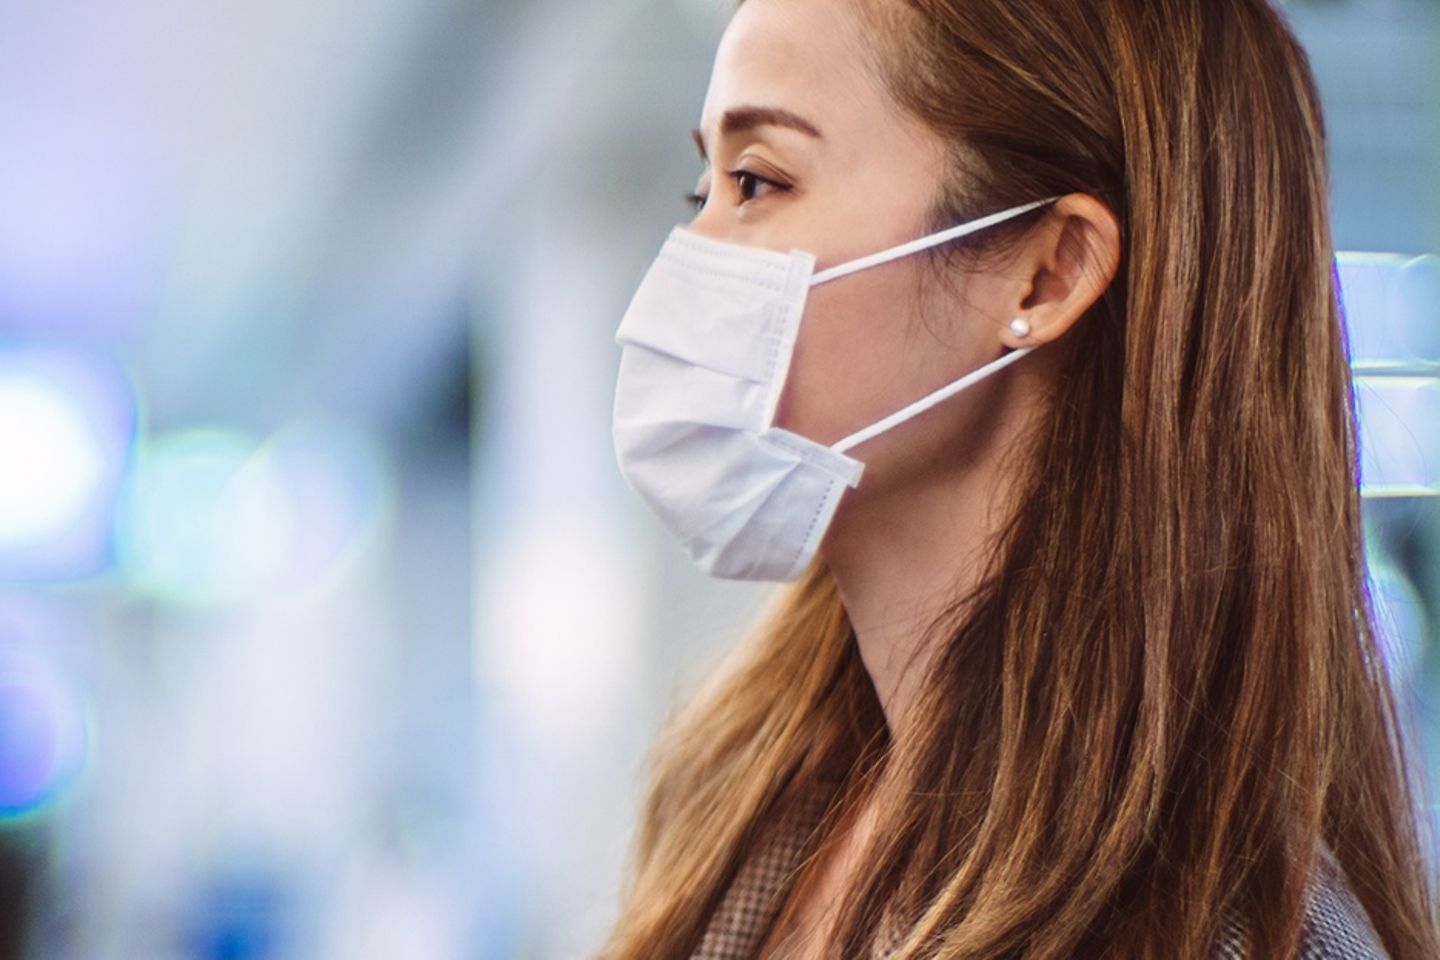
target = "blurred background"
x: 328, y: 628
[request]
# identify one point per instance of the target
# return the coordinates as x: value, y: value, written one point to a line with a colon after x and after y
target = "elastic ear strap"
x: 934, y: 239
x: 925, y: 403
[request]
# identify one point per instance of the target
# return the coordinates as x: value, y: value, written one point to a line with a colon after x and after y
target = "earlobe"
x: 1072, y: 261
x: 1018, y: 333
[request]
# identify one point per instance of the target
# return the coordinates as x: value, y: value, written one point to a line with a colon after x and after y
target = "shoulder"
x: 1335, y: 924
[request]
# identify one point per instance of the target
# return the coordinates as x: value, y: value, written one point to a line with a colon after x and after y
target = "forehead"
x: 806, y: 56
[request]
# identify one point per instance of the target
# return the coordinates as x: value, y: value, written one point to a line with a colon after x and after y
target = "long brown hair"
x: 1167, y: 691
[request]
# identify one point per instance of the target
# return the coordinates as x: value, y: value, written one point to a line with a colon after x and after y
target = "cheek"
x: 858, y: 344
x: 869, y: 346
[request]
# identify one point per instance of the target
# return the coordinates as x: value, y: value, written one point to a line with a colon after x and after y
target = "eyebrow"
x: 738, y: 119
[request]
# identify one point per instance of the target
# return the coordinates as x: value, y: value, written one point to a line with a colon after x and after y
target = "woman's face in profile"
x: 805, y: 149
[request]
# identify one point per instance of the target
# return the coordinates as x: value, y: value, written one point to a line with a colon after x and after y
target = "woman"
x: 1083, y: 665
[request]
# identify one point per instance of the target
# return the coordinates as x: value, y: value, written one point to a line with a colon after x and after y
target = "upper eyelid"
x: 734, y: 144
x: 766, y: 178
x: 738, y: 172
x: 734, y: 172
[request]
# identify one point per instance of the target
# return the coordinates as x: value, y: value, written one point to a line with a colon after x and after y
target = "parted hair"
x: 1167, y: 690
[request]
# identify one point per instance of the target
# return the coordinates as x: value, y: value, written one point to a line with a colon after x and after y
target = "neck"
x: 904, y: 554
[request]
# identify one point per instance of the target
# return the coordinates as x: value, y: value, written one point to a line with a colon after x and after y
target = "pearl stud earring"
x: 1020, y: 327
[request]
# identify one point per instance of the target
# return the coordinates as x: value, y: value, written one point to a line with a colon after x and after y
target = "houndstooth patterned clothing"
x: 1336, y: 926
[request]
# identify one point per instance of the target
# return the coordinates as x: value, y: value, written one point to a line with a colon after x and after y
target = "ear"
x: 1068, y: 262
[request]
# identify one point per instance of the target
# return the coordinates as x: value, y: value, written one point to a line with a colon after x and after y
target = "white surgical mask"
x: 705, y: 349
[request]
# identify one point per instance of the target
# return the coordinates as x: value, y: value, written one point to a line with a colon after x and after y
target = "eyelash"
x: 697, y: 201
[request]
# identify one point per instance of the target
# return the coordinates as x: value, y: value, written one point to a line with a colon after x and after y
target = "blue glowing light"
x: 42, y: 732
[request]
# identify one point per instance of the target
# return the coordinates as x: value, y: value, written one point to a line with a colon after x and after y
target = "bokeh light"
x: 57, y: 463
x: 178, y: 512
x: 67, y: 425
x: 42, y: 731
x: 213, y: 517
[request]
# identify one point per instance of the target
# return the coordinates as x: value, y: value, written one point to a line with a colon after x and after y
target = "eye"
x: 748, y: 186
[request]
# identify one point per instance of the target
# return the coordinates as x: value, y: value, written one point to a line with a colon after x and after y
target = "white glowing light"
x: 560, y: 630
x: 53, y: 463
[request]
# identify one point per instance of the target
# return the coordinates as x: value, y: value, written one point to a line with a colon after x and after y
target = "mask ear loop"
x: 925, y: 403
x: 922, y: 243
x: 903, y: 250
